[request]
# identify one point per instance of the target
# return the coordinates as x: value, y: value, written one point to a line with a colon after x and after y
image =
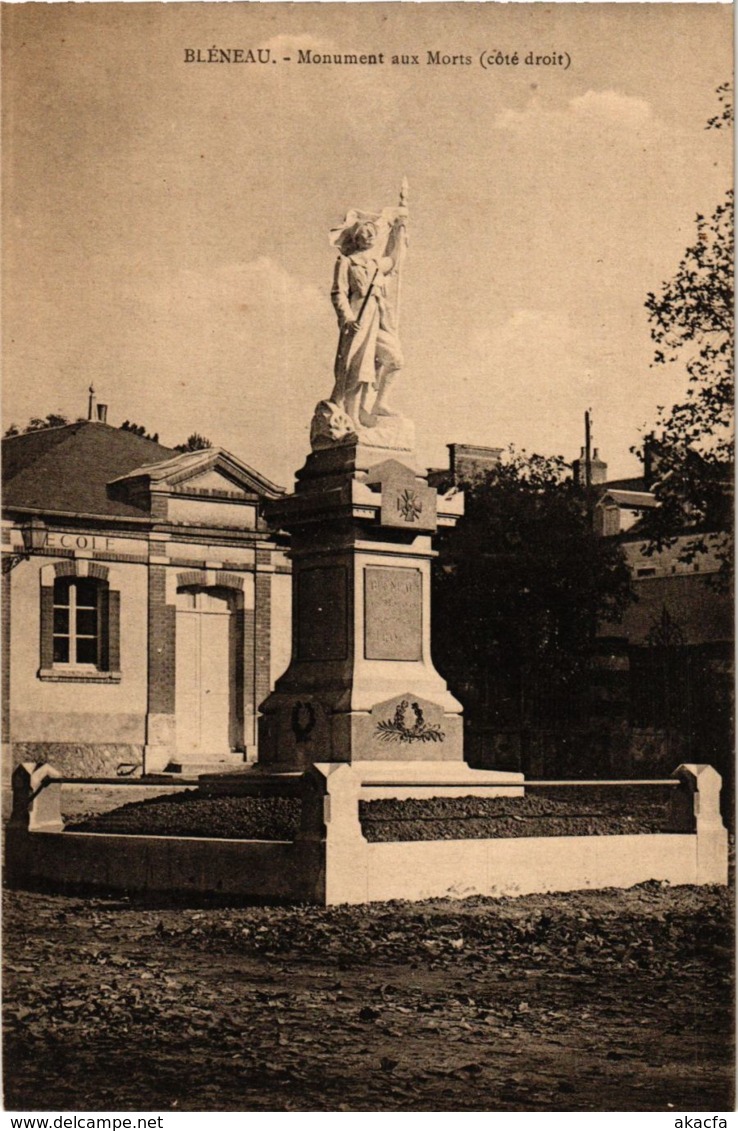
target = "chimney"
x: 578, y: 469
x: 102, y: 413
x: 91, y: 404
x: 651, y: 461
x: 598, y: 468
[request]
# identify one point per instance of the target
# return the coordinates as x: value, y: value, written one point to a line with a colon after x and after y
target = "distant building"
x: 465, y: 462
x: 659, y: 686
x: 146, y: 608
x: 677, y: 635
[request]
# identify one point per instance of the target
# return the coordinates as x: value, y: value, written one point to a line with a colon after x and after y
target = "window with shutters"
x: 79, y: 630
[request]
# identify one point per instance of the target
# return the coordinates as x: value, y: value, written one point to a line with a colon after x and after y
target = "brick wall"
x: 162, y: 630
x: 6, y: 658
x: 248, y: 677
x: 262, y: 636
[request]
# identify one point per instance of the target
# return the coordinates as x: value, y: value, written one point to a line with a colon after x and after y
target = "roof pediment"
x: 210, y: 472
x: 636, y: 500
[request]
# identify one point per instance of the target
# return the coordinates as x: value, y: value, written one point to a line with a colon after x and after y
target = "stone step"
x: 202, y: 764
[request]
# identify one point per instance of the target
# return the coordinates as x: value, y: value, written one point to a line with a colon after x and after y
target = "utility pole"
x: 588, y: 449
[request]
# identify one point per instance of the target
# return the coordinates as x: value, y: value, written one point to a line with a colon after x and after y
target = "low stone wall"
x: 361, y: 872
x: 417, y: 870
x: 40, y: 854
x: 172, y: 866
x: 330, y: 861
x: 422, y: 779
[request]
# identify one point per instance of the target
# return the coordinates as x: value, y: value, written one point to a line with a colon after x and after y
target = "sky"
x: 166, y: 223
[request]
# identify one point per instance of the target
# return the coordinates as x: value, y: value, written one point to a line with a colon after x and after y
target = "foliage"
x: 408, y: 725
x: 692, y: 323
x: 521, y: 583
x: 194, y: 443
x: 139, y: 430
x: 36, y: 423
x: 725, y: 117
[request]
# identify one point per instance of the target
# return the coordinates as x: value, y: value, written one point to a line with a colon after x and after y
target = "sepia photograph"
x: 367, y: 559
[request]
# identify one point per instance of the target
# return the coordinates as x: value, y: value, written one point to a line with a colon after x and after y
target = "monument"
x: 361, y: 685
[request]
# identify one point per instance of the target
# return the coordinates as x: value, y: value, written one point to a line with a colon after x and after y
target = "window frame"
x: 106, y: 667
x: 73, y: 636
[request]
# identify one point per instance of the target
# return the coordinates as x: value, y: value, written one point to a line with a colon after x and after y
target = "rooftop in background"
x: 466, y: 461
x: 67, y: 469
x: 634, y: 483
x: 637, y: 499
x: 90, y: 469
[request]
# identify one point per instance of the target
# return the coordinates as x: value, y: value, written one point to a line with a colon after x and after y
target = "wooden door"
x: 205, y: 675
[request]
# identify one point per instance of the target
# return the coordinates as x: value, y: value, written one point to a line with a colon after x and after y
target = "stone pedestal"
x: 361, y: 685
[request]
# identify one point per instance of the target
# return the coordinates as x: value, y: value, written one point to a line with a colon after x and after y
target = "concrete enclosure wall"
x: 360, y: 872
x: 152, y: 865
x: 331, y: 862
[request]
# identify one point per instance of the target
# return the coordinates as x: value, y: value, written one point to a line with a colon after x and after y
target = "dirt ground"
x: 601, y: 1001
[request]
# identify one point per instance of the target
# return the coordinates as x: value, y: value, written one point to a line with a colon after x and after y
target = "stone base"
x: 326, y: 468
x: 361, y: 684
x: 156, y: 759
x: 401, y: 780
x: 394, y: 432
x: 332, y: 428
x: 82, y: 759
x: 296, y: 731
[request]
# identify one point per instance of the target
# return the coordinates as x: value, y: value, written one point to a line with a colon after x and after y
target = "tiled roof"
x: 635, y: 499
x: 67, y: 469
x: 635, y: 483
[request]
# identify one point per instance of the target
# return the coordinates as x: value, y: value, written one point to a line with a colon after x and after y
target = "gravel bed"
x: 580, y: 811
x: 187, y: 814
x: 575, y: 812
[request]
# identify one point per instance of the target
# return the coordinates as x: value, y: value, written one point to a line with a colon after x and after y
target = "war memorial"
x: 361, y: 713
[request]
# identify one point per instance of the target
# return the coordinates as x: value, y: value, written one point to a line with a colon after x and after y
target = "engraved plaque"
x: 322, y: 632
x: 393, y: 613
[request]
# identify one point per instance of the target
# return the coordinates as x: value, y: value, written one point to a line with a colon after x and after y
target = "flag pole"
x: 404, y: 192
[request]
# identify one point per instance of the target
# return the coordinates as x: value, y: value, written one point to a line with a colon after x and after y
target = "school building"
x: 146, y: 607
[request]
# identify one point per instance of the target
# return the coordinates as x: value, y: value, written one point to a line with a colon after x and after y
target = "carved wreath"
x: 303, y: 720
x: 408, y: 725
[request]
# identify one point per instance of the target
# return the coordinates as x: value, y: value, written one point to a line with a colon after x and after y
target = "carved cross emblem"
x: 406, y: 496
x: 409, y: 505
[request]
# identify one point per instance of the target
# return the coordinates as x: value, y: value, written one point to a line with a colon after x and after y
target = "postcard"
x: 367, y: 637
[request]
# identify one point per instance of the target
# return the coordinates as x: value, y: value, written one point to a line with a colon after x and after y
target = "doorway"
x: 206, y: 653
